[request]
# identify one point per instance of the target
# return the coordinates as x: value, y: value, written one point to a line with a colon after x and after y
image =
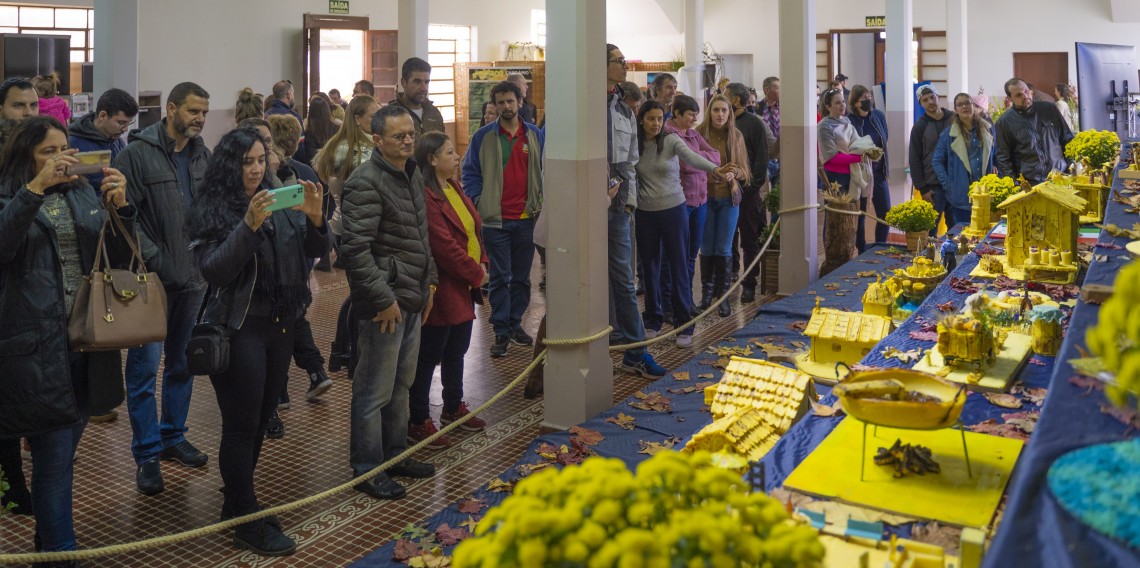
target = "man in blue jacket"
x: 104, y: 128
x: 502, y: 173
x: 283, y: 97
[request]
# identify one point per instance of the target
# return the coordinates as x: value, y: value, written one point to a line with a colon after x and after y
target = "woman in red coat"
x: 453, y: 228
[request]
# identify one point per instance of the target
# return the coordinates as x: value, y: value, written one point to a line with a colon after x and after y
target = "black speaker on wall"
x: 87, y: 75
x: 23, y: 55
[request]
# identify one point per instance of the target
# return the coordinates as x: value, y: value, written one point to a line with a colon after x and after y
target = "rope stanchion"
x: 155, y: 542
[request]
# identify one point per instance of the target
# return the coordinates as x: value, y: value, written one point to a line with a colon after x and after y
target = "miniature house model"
x: 840, y: 337
x: 878, y: 300
x: 1043, y: 225
x: 753, y: 405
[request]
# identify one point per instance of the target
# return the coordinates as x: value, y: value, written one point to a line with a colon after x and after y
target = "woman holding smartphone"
x: 254, y: 260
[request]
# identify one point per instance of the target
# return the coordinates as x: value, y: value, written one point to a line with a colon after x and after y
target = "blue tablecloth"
x: 1035, y: 530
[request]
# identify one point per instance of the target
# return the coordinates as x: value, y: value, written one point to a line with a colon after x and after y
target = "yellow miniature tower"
x: 878, y: 299
x: 980, y: 199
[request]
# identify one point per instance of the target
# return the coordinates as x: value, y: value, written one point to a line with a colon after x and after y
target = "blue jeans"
x: 881, y: 202
x: 696, y: 216
x: 657, y: 230
x: 150, y: 435
x: 52, y: 474
x: 625, y: 320
x: 720, y: 224
x: 511, y: 252
x: 384, y: 374
x: 955, y: 215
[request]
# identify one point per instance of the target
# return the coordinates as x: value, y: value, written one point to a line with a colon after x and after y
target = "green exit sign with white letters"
x: 338, y: 6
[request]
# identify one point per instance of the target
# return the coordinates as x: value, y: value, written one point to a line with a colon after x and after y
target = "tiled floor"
x: 311, y: 458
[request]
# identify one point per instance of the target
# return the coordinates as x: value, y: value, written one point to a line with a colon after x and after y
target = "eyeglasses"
x: 964, y: 104
x: 401, y: 136
x: 619, y: 61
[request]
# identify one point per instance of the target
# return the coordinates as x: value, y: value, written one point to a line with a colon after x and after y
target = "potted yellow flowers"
x: 999, y: 189
x: 1097, y: 148
x: 916, y: 218
x: 675, y: 509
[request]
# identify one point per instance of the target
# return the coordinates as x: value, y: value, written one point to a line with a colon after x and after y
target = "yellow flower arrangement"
x: 676, y: 511
x: 1001, y: 188
x: 916, y: 215
x: 1099, y: 147
x: 1116, y: 336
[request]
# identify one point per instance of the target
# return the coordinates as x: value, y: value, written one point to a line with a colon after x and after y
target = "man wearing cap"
x: 923, y: 139
x: 842, y: 80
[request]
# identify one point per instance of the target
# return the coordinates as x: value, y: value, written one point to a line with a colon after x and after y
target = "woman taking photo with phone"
x: 49, y: 230
x: 254, y: 260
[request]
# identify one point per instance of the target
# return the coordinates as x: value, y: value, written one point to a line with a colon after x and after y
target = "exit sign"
x: 868, y: 21
x: 338, y: 6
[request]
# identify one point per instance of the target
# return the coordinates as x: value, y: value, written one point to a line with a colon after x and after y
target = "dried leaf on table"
x: 499, y: 486
x: 949, y: 306
x: 730, y: 351
x: 1109, y: 246
x: 1034, y: 396
x: 1086, y: 383
x: 832, y: 286
x: 529, y: 468
x: 1126, y: 416
x: 449, y: 536
x: 406, y: 549
x: 699, y: 387
x: 825, y: 410
x: 774, y: 352
x: 681, y: 376
x: 1003, y: 400
x: 707, y: 362
x: 655, y: 402
x: 871, y: 261
x: 622, y: 420
x: 548, y: 451
x: 431, y: 559
x: 964, y: 285
x: 841, y: 293
x: 924, y: 335
x: 799, y: 344
x: 799, y: 326
x: 470, y: 523
x: 722, y: 363
x: 812, y: 292
x: 706, y: 376
x: 652, y: 448
x: 412, y: 531
x: 586, y: 436
x: 925, y: 324
x: 993, y: 428
x: 1038, y: 362
x: 867, y: 274
x: 471, y: 506
x: 909, y: 356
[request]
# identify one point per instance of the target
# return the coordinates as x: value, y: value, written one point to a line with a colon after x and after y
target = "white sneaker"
x: 684, y: 340
x: 652, y: 333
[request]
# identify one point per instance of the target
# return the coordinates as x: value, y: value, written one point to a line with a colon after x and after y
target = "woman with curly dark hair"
x: 254, y: 260
x: 49, y: 230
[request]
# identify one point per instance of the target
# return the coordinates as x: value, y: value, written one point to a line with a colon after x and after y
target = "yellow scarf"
x: 468, y: 222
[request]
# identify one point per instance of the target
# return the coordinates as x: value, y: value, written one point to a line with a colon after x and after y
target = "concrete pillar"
x: 900, y: 95
x: 579, y: 380
x: 116, y: 47
x: 957, y: 51
x: 412, y: 40
x: 798, y: 231
x: 689, y: 79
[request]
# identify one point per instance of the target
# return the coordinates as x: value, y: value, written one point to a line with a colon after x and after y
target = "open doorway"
x: 341, y: 59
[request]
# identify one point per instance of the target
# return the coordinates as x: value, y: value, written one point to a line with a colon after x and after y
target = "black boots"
x: 706, y: 282
x: 721, y: 274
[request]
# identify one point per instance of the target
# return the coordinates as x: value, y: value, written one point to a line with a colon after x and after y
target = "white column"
x: 116, y: 47
x: 798, y: 231
x: 957, y: 51
x: 579, y: 380
x: 900, y: 95
x: 689, y: 81
x: 412, y: 40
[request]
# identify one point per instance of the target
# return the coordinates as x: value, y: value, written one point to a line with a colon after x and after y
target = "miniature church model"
x: 1042, y: 236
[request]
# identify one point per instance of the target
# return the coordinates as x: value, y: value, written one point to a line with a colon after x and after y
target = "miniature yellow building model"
x: 878, y: 300
x: 1093, y: 188
x: 754, y: 404
x: 1042, y: 235
x: 980, y: 215
x: 839, y: 337
x: 963, y: 340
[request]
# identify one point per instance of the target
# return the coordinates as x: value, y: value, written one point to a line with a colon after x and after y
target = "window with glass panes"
x: 447, y: 45
x: 538, y: 27
x: 78, y: 23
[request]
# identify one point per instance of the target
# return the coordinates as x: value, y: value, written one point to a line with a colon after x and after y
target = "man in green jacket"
x: 415, y: 76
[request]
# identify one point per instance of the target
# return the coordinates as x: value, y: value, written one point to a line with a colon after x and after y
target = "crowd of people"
x: 422, y: 234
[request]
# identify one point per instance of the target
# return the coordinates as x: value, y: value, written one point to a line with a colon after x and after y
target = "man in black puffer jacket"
x: 392, y: 280
x: 1030, y: 138
x: 163, y: 164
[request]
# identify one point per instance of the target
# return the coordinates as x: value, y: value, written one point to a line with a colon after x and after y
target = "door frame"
x: 312, y: 24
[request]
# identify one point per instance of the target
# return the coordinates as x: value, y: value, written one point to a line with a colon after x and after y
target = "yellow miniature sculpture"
x: 1041, y: 239
x: 879, y: 300
x: 964, y: 340
x: 980, y: 212
x: 839, y: 337
x: 753, y: 405
x: 1093, y: 187
x: 1046, y: 329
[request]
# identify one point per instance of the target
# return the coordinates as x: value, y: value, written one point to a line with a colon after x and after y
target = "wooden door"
x: 1043, y: 69
x: 311, y: 48
x: 383, y: 64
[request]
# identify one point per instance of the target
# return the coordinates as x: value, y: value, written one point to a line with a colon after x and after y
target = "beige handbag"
x: 117, y: 308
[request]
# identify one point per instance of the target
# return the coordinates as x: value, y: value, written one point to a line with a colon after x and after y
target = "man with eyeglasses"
x: 502, y: 174
x: 623, y: 153
x: 392, y: 280
x: 104, y: 129
x: 923, y: 140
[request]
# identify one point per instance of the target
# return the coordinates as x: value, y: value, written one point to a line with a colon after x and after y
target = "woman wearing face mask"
x: 254, y: 260
x: 965, y: 153
x: 49, y: 230
x: 662, y: 222
x: 351, y: 146
x: 694, y: 181
x: 870, y: 121
x: 723, y: 209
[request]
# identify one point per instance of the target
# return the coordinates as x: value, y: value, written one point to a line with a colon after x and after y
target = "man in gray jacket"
x: 923, y: 139
x: 1030, y: 139
x: 392, y: 280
